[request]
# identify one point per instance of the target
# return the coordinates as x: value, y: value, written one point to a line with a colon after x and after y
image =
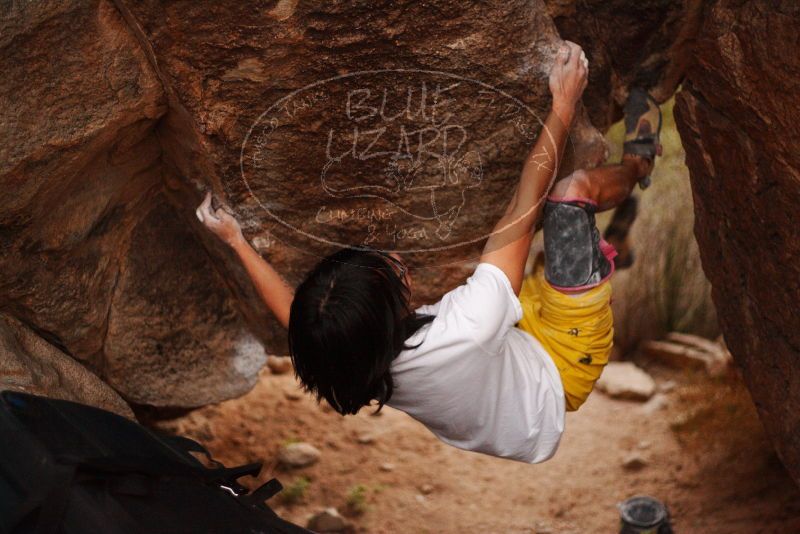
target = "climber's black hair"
x: 349, y: 320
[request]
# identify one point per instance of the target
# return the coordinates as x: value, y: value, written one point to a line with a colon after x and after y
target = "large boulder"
x: 404, y: 131
x: 740, y: 125
x: 30, y: 364
x: 402, y: 125
x: 117, y: 116
x: 94, y: 255
x: 78, y: 103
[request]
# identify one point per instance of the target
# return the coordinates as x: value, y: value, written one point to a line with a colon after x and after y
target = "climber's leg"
x: 567, y: 307
x: 605, y: 186
x: 576, y: 257
x: 609, y: 185
x: 576, y: 330
x: 567, y: 304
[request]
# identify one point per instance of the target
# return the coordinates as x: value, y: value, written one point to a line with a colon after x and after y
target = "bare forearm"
x: 538, y: 172
x: 508, y: 246
x: 271, y: 287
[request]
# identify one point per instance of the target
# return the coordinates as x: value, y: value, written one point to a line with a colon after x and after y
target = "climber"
x: 493, y: 366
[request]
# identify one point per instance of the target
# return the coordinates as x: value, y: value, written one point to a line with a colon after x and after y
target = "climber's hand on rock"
x: 220, y: 222
x: 568, y: 79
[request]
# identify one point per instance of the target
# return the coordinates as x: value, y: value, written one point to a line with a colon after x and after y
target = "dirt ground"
x: 704, y: 450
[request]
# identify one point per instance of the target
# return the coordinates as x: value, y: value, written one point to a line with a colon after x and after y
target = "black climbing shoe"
x: 642, y: 128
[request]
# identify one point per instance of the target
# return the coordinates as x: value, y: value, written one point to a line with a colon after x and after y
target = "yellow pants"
x: 577, y: 331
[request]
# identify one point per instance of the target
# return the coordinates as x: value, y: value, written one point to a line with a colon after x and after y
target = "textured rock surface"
x: 78, y: 158
x: 740, y: 125
x: 115, y: 116
x: 642, y: 43
x: 88, y: 220
x: 112, y: 132
x: 30, y: 364
x: 223, y: 72
x: 173, y: 332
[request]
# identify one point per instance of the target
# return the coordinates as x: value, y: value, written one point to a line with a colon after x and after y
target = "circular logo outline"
x: 281, y: 101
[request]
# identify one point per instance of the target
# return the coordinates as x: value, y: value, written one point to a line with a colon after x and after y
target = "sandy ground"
x: 705, y: 453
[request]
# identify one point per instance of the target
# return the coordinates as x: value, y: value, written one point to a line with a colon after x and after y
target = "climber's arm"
x: 509, y: 244
x: 271, y: 287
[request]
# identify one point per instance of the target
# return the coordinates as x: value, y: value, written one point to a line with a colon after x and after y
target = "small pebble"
x: 366, y: 439
x: 327, y: 520
x: 279, y: 365
x: 666, y: 386
x: 426, y: 489
x: 293, y: 394
x: 657, y: 403
x: 298, y: 455
x: 634, y: 462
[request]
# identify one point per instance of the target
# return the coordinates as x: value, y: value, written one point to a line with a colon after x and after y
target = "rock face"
x: 629, y: 43
x: 79, y: 159
x: 319, y: 132
x: 113, y: 132
x: 401, y: 125
x: 737, y: 115
x: 95, y: 255
x: 28, y: 363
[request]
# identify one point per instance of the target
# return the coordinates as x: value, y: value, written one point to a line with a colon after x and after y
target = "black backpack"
x: 66, y: 468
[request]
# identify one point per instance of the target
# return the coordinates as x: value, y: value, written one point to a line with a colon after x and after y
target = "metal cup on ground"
x: 644, y: 515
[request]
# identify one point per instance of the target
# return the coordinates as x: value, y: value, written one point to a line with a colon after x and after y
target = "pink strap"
x: 608, y: 250
x: 551, y: 198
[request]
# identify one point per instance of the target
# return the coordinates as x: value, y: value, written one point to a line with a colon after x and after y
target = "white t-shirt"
x: 476, y: 381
